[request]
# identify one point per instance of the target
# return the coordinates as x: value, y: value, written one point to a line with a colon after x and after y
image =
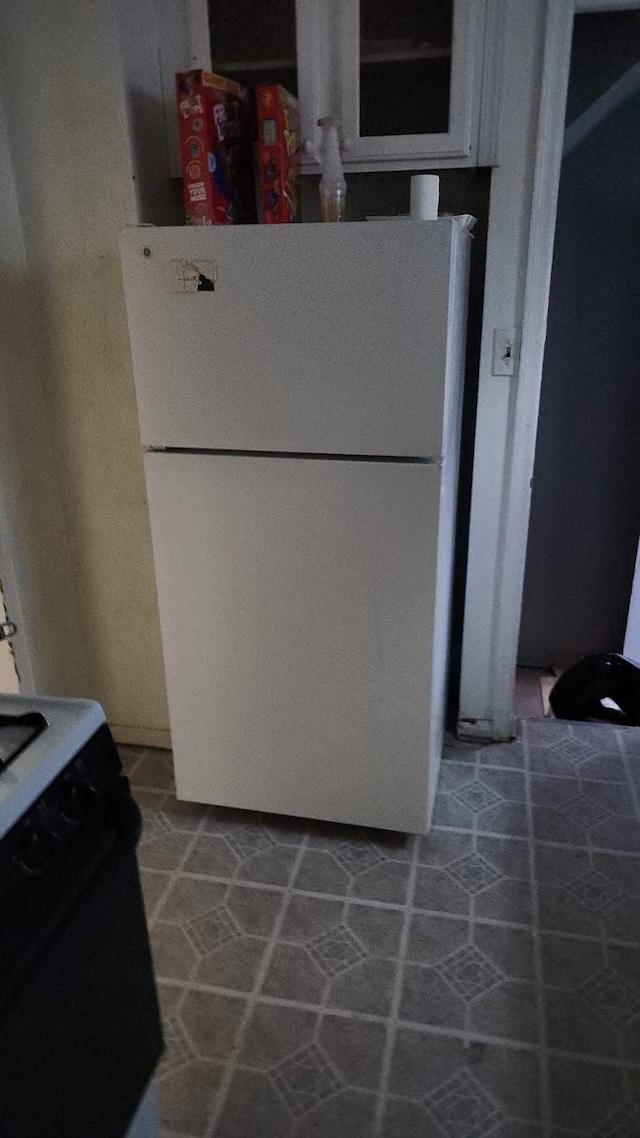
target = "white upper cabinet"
x: 412, y: 82
x: 408, y: 78
x: 255, y: 42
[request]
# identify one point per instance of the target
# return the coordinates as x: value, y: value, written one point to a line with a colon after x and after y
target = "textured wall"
x: 63, y: 95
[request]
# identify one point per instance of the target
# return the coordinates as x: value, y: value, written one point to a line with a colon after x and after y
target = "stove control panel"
x: 74, y: 800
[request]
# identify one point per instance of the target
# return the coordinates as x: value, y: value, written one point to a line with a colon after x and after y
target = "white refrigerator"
x: 299, y: 392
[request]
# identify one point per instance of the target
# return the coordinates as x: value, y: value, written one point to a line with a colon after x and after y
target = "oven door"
x: 80, y: 1031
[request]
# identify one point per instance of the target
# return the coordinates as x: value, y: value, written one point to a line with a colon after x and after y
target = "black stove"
x: 80, y: 1029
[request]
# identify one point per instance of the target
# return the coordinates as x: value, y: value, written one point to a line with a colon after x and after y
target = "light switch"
x: 505, y: 359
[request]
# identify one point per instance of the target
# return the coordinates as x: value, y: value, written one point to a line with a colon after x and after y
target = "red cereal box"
x: 279, y: 153
x: 216, y: 148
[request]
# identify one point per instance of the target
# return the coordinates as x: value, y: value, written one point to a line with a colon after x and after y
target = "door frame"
x: 495, y: 575
x: 13, y: 603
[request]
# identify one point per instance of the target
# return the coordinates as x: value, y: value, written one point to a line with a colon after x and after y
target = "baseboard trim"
x: 484, y: 730
x: 141, y: 736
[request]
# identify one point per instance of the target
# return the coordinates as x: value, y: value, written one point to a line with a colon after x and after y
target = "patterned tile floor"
x: 318, y: 981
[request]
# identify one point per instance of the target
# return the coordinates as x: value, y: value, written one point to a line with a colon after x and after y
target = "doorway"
x: 585, y: 508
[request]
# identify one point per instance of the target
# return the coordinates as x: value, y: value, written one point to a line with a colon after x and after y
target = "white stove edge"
x: 145, y: 1123
x: 71, y: 722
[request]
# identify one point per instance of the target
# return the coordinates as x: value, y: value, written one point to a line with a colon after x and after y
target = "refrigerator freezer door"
x: 326, y: 339
x: 298, y: 600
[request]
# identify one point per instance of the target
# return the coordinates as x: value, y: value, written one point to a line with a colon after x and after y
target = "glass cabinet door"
x: 277, y: 41
x: 402, y: 76
x: 254, y: 43
x: 405, y: 67
x: 407, y: 77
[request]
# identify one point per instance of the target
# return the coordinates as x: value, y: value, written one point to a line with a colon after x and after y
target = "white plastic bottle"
x: 333, y: 188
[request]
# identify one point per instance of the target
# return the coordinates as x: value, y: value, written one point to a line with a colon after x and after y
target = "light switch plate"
x: 505, y: 359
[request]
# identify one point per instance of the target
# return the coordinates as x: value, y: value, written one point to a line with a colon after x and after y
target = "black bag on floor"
x: 579, y: 691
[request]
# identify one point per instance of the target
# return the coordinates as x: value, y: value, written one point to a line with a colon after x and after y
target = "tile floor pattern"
x: 481, y: 981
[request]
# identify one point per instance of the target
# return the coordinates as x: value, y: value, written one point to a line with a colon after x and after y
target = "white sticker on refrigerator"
x: 192, y: 276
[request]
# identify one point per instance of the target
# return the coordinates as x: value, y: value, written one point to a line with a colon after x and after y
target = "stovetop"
x: 38, y: 737
x: 16, y: 732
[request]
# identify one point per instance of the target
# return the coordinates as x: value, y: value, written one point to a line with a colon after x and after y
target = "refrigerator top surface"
x: 327, y: 339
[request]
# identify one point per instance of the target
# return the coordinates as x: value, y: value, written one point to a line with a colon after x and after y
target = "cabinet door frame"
x: 460, y: 142
x: 316, y: 61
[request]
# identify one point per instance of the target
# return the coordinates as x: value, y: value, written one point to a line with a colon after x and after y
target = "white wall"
x: 149, y: 30
x: 35, y: 555
x: 63, y: 94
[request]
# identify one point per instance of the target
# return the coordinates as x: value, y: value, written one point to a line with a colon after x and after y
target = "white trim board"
x: 604, y: 5
x: 632, y: 635
x: 519, y: 257
x: 156, y: 737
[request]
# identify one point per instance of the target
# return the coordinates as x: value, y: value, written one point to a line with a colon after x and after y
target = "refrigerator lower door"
x: 300, y: 620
